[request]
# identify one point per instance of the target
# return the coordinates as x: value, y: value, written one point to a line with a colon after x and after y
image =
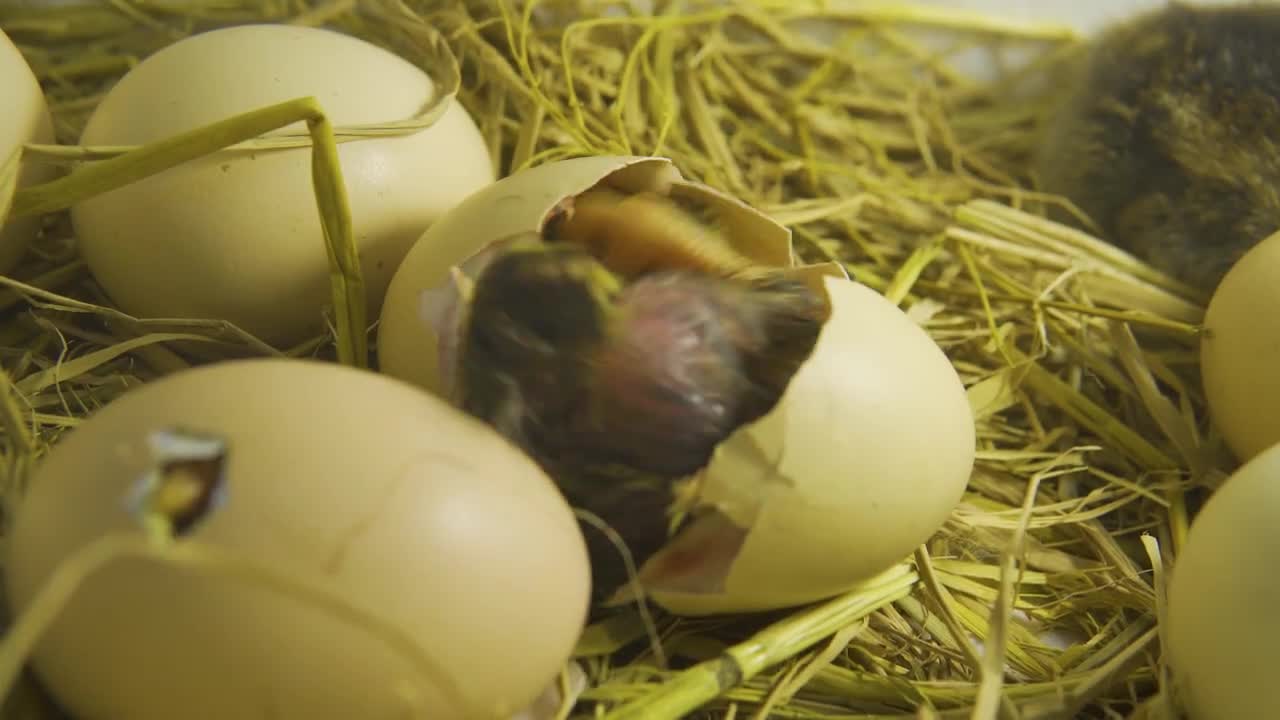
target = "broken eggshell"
x: 424, y: 308
x: 864, y: 457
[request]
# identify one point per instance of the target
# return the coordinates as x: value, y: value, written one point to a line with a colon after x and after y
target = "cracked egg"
x: 424, y: 311
x: 295, y: 539
x: 856, y: 462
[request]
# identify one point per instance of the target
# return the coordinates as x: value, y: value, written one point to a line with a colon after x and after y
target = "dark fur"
x: 619, y: 394
x: 1170, y: 137
x: 689, y: 358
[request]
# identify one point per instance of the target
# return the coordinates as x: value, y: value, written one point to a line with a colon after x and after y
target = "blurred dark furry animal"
x: 1169, y: 137
x: 620, y: 389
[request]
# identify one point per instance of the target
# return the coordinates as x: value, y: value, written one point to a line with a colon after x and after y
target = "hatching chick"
x: 618, y: 390
x: 1169, y: 138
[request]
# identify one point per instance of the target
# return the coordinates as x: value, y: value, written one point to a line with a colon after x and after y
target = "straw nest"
x: 1041, y: 597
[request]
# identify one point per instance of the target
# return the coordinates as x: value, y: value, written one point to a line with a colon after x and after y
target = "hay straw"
x: 879, y: 153
x: 690, y: 688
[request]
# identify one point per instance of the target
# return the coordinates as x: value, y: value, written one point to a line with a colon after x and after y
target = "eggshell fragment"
x: 24, y: 119
x: 1240, y: 351
x: 862, y: 460
x: 237, y: 235
x: 422, y: 304
x: 352, y: 482
x: 1223, y: 630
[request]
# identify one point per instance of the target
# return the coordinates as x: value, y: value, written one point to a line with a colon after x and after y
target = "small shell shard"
x: 698, y: 560
x: 439, y: 309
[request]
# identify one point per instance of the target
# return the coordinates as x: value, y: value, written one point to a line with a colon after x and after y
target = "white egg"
x: 1240, y: 351
x: 237, y: 235
x: 25, y: 119
x: 1223, y: 629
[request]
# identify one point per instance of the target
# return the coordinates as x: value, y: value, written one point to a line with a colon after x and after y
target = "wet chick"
x: 619, y: 390
x: 1169, y: 138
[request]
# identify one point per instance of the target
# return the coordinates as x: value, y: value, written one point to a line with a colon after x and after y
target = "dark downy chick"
x: 1170, y: 137
x: 620, y: 390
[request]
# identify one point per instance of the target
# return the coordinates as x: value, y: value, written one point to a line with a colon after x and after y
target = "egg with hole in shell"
x: 236, y: 235
x: 860, y: 460
x: 25, y: 120
x: 348, y: 546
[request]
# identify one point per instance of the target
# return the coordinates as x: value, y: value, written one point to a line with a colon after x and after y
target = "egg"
x: 1222, y: 628
x: 1240, y: 351
x: 864, y: 457
x: 236, y: 235
x: 25, y: 120
x: 359, y: 485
